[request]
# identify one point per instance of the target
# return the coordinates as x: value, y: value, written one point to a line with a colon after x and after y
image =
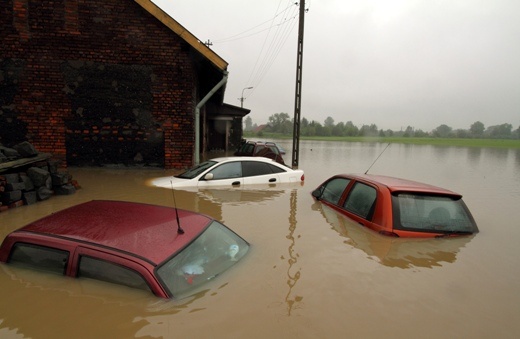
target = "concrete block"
x: 59, y: 179
x: 9, y: 197
x: 11, y: 178
x: 26, y: 149
x: 15, y: 186
x: 43, y: 193
x: 29, y: 198
x: 38, y: 176
x: 65, y: 190
x: 29, y: 186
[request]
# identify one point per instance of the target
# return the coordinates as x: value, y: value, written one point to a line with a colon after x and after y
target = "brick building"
x: 99, y: 82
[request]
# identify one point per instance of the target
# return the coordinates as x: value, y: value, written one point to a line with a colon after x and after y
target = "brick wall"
x: 95, y: 82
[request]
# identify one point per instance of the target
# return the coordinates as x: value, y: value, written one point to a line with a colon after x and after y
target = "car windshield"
x: 193, y: 172
x: 427, y: 213
x: 213, y: 252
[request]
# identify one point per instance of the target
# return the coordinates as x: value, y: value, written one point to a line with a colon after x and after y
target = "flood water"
x: 310, y: 273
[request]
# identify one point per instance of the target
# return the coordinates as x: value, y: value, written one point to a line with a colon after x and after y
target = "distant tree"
x: 318, y: 128
x: 462, y: 133
x: 477, y: 129
x: 280, y: 123
x: 408, y: 132
x: 339, y: 129
x: 368, y: 130
x: 503, y: 131
x: 329, y: 122
x: 326, y: 131
x: 304, y: 123
x: 248, y: 124
x: 310, y: 131
x: 351, y: 130
x: 443, y: 131
x: 419, y: 133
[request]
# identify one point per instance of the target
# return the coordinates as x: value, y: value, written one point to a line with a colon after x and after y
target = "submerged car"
x: 397, y: 207
x: 261, y: 149
x: 168, y: 251
x: 233, y: 172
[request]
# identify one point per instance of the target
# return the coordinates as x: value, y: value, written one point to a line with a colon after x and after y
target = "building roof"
x: 182, y: 32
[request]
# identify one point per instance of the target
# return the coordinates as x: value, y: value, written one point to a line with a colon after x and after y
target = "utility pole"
x: 298, y: 94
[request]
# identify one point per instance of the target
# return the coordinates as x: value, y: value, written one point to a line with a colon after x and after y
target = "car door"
x: 226, y: 174
x: 360, y: 204
x: 102, y: 265
x: 258, y: 172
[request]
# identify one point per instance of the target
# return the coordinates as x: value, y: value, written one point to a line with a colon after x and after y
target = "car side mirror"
x: 317, y: 193
x: 208, y: 176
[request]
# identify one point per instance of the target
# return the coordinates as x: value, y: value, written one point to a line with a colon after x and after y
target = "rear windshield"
x: 427, y: 213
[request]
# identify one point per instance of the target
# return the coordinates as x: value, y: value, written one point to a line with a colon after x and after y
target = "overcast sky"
x: 393, y: 63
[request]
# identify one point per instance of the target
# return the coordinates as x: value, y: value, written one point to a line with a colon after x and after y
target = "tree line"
x: 283, y: 124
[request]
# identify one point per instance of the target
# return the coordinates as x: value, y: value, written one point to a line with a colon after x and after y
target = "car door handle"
x: 235, y: 183
x: 272, y: 180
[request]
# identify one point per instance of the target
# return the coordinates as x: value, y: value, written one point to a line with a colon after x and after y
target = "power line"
x: 241, y: 34
x: 277, y: 41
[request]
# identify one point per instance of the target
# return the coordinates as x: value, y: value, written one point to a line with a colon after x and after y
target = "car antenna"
x: 380, y: 154
x: 179, y: 228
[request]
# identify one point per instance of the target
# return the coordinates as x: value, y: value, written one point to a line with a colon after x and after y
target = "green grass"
x: 463, y: 142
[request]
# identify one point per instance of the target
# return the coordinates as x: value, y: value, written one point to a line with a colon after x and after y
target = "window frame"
x: 49, y: 248
x: 145, y: 285
x: 340, y: 199
x: 137, y: 264
x: 369, y: 213
x: 220, y: 166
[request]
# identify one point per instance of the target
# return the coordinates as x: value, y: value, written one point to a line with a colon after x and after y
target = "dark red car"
x: 397, y: 207
x: 260, y: 149
x: 167, y: 251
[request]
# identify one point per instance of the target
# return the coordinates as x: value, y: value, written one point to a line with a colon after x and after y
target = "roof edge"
x: 177, y: 28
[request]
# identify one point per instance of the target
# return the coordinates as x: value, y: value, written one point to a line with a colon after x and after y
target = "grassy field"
x: 496, y: 143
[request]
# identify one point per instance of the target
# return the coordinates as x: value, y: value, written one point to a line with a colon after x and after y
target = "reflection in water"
x: 394, y: 252
x: 292, y: 278
x: 237, y: 196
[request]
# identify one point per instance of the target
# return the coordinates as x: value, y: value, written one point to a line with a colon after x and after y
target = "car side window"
x: 258, y: 149
x: 333, y: 190
x: 274, y: 149
x: 254, y: 168
x: 39, y: 257
x: 276, y: 169
x: 227, y: 171
x: 361, y: 200
x: 110, y: 272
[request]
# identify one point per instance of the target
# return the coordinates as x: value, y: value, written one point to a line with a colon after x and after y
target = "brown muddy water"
x: 310, y: 273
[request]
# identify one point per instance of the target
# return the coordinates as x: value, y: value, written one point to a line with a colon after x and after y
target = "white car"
x: 233, y: 172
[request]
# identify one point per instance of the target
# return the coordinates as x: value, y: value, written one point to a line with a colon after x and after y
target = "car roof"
x: 257, y: 159
x: 259, y: 142
x: 401, y: 185
x: 147, y: 231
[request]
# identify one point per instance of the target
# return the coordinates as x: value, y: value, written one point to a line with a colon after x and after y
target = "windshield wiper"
x: 452, y: 233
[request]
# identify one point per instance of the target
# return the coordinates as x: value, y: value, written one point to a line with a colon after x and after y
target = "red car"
x: 397, y: 207
x: 167, y: 251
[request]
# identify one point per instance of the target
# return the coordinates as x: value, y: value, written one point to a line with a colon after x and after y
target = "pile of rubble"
x: 27, y: 176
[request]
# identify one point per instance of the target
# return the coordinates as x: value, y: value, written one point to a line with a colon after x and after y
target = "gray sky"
x: 393, y: 63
